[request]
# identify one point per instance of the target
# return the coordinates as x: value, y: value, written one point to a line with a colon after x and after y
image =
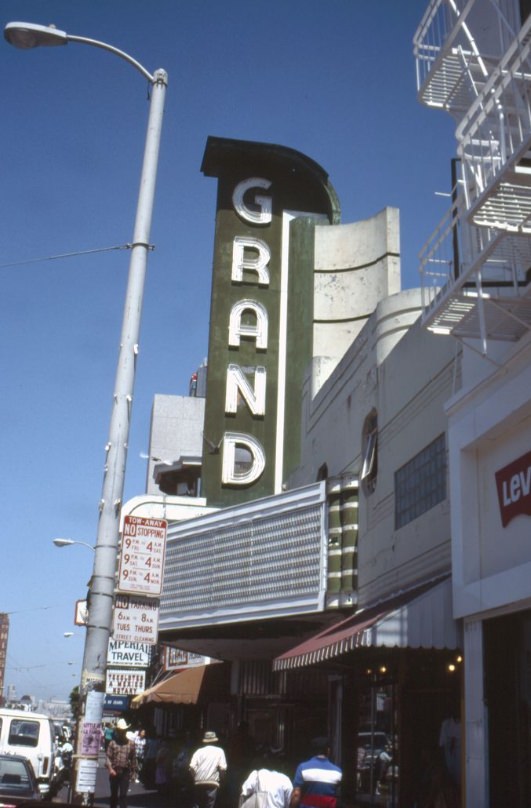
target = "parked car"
x: 32, y: 736
x: 17, y: 781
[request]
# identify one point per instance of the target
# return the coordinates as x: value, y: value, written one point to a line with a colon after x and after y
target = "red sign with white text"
x: 513, y: 483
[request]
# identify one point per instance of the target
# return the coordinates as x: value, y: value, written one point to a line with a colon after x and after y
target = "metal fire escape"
x: 474, y: 61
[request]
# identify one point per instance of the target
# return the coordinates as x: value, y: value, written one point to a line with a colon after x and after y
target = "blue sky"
x: 334, y: 79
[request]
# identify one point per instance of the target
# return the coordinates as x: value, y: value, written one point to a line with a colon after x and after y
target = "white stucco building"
x: 473, y: 61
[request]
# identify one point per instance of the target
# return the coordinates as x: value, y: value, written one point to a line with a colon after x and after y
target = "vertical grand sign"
x: 261, y: 316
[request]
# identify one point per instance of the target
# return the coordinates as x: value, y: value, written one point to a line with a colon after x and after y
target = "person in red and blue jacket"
x: 317, y: 780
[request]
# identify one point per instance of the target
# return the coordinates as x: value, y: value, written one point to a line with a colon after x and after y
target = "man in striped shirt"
x: 316, y: 783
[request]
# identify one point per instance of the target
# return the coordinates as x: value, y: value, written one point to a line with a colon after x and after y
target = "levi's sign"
x: 513, y: 483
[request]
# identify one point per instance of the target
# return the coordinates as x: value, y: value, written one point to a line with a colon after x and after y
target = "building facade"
x: 324, y: 549
x: 474, y: 62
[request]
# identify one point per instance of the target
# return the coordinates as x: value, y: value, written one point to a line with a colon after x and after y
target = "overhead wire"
x: 65, y: 255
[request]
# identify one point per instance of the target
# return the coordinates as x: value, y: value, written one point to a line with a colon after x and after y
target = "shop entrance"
x: 401, y: 708
x: 377, y: 770
x: 507, y: 643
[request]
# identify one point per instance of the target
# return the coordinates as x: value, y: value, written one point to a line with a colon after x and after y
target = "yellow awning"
x: 181, y: 688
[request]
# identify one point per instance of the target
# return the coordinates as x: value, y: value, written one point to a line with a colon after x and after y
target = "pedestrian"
x: 150, y: 759
x: 317, y: 781
x: 163, y: 770
x: 208, y: 765
x: 450, y: 743
x: 181, y: 776
x: 383, y: 764
x: 267, y: 780
x: 140, y: 751
x: 241, y: 750
x: 108, y: 735
x: 121, y: 763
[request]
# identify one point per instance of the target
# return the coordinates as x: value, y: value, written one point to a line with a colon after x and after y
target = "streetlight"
x: 69, y: 542
x: 29, y: 35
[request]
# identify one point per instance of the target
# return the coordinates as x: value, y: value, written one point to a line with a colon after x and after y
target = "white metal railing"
x: 474, y: 60
x: 450, y: 68
x: 457, y: 45
x: 458, y: 255
x: 494, y: 136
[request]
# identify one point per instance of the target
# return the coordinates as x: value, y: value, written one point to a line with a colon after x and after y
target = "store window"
x: 369, y: 469
x: 377, y: 745
x: 421, y: 483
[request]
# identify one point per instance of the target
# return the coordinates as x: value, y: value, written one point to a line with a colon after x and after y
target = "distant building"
x: 4, y: 634
x: 11, y: 693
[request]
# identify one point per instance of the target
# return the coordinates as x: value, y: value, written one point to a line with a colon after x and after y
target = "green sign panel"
x: 269, y: 200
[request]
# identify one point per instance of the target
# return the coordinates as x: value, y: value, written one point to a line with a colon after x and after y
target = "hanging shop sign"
x: 123, y: 682
x: 116, y: 704
x: 130, y: 654
x: 513, y: 483
x: 176, y: 659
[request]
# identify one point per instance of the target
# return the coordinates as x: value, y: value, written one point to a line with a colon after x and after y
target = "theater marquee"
x: 261, y: 319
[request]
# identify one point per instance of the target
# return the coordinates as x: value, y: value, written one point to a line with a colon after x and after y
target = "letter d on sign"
x: 253, y: 469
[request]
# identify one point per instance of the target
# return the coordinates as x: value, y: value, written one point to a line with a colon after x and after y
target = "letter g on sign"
x: 264, y: 204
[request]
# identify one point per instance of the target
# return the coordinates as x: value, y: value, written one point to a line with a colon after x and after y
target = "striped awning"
x: 420, y: 618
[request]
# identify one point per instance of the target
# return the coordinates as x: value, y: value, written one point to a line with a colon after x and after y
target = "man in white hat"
x: 121, y: 763
x: 208, y: 765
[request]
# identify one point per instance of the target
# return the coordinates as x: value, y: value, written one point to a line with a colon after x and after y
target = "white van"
x: 31, y: 735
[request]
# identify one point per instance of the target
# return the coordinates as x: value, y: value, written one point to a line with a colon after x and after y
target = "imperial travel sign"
x: 269, y: 200
x: 128, y: 654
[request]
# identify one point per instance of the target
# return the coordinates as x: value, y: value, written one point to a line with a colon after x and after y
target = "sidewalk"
x: 138, y: 796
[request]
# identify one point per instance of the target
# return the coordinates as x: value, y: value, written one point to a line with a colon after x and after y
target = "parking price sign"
x: 142, y: 555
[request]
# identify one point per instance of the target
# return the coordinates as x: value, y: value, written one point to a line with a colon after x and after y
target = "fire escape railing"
x: 475, y: 267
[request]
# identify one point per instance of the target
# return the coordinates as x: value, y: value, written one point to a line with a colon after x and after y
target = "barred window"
x: 421, y: 483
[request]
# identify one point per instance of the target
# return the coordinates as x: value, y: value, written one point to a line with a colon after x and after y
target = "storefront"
x: 394, y: 680
x: 490, y: 474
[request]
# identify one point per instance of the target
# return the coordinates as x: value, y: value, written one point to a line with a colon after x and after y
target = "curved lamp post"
x: 69, y: 542
x: 28, y: 35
